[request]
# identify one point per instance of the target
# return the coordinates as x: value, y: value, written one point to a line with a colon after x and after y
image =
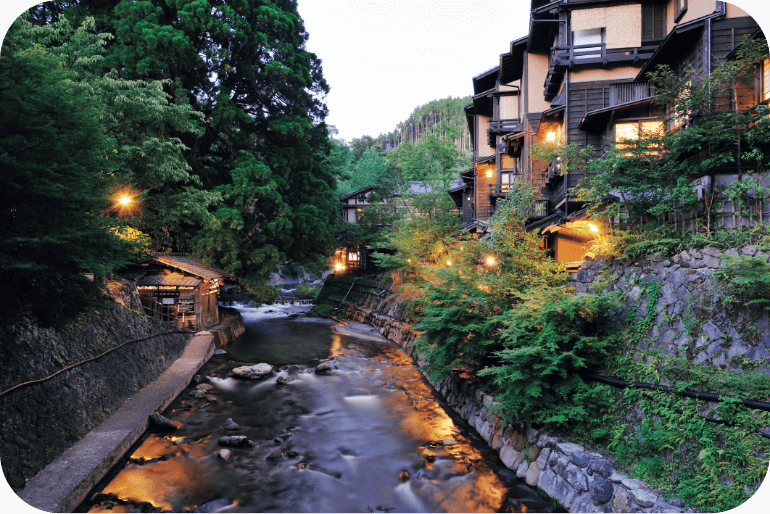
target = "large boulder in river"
x: 256, y: 372
x: 323, y: 369
x: 235, y: 441
x: 161, y: 423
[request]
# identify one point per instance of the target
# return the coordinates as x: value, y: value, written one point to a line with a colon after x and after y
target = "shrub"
x: 548, y: 340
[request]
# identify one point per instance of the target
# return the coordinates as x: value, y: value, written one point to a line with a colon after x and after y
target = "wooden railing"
x: 629, y: 92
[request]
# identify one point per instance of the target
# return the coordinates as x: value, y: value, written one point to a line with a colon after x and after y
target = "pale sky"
x: 382, y: 59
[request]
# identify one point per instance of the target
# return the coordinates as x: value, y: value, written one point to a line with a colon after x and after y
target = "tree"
x: 262, y: 144
x: 55, y: 186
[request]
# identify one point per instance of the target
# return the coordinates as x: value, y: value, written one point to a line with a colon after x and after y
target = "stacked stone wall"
x: 692, y: 318
x: 38, y: 422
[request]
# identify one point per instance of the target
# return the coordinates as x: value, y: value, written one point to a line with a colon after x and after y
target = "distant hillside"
x: 444, y: 117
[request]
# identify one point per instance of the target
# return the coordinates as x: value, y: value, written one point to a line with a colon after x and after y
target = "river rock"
x: 211, y: 398
x: 281, y: 381
x: 161, y: 423
x: 224, y: 454
x: 198, y: 393
x: 231, y: 425
x: 205, y: 387
x: 213, y: 506
x: 256, y: 372
x: 235, y: 441
x: 448, y: 442
x: 323, y: 369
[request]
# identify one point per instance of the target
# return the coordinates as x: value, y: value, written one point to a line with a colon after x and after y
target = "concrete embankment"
x: 65, y: 481
x: 580, y: 480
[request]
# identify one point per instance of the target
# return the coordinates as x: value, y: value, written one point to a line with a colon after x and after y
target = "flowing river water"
x: 371, y: 437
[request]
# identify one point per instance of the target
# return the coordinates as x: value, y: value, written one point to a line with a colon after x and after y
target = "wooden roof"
x: 189, y: 264
x: 363, y: 190
x: 162, y: 280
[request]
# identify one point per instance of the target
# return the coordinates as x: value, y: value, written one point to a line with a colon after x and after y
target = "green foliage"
x: 670, y: 444
x: 747, y: 280
x: 244, y: 175
x: 430, y: 156
x: 371, y: 168
x: 308, y: 292
x: 549, y: 338
x: 53, y: 188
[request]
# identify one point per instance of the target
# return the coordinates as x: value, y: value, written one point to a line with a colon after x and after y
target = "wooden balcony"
x: 563, y: 58
x: 505, y: 126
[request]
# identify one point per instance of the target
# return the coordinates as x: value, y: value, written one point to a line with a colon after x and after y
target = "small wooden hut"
x: 177, y: 288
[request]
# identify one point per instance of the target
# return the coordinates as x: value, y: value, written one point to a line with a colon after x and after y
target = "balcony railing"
x: 510, y: 125
x: 629, y: 92
x: 496, y: 190
x: 564, y: 57
x: 592, y: 53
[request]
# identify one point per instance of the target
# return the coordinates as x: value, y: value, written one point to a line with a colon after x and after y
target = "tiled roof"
x: 161, y: 280
x: 190, y: 265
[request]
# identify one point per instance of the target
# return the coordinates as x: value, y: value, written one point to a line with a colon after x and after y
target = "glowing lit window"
x: 632, y: 131
x: 766, y: 80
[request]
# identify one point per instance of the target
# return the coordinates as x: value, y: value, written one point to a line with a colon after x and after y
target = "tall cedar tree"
x: 244, y: 66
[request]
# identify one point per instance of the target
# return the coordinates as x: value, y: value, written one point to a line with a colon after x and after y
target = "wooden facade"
x: 179, y: 289
x: 580, y: 76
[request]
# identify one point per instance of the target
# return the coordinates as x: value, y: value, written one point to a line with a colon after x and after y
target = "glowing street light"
x: 490, y: 261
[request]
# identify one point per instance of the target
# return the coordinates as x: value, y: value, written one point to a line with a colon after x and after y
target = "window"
x: 653, y: 21
x: 505, y: 182
x: 765, y: 80
x: 680, y: 7
x: 582, y: 39
x: 626, y: 132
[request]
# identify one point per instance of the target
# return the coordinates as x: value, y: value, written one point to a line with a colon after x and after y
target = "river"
x: 371, y: 437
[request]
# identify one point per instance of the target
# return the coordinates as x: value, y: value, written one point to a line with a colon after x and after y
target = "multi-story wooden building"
x: 579, y: 76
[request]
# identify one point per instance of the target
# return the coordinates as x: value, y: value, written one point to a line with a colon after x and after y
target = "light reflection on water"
x: 367, y: 437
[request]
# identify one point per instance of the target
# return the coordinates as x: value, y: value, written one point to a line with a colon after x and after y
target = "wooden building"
x: 579, y: 76
x: 177, y: 288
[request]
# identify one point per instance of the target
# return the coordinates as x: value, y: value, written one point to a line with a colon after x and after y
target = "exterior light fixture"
x: 125, y: 200
x: 448, y: 263
x: 490, y: 261
x: 593, y: 228
x: 490, y: 173
x: 551, y: 137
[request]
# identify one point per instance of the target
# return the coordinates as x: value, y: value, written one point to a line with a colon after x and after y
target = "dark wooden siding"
x: 467, y: 214
x: 586, y: 97
x: 726, y: 36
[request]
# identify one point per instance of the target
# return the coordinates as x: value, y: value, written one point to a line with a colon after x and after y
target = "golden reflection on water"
x: 423, y: 419
x: 183, y: 477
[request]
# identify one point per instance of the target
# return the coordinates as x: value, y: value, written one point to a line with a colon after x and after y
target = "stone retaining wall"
x: 581, y: 481
x: 691, y: 317
x: 40, y: 421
